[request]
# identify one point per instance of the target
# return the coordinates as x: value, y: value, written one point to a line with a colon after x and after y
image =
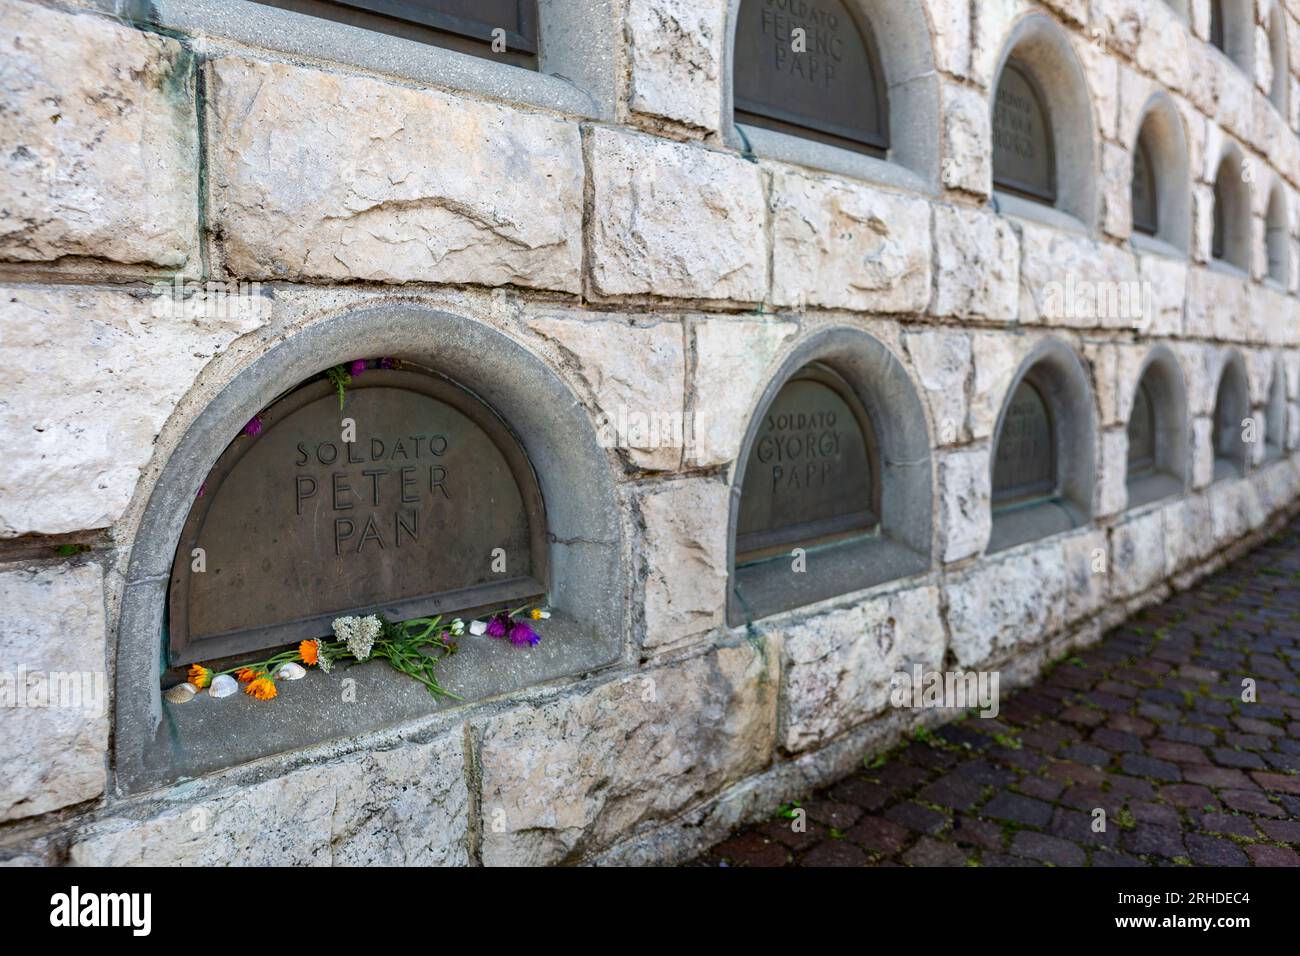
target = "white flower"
x: 457, y: 627
x: 358, y: 633
x: 543, y: 615
x: 478, y: 628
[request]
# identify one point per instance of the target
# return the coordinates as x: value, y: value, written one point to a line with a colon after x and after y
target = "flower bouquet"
x: 415, y: 648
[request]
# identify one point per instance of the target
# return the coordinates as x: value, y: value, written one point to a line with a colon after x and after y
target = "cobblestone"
x: 1149, y: 726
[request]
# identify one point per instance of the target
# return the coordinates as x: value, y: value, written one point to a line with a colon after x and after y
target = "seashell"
x: 223, y: 685
x: 291, y: 671
x: 181, y: 693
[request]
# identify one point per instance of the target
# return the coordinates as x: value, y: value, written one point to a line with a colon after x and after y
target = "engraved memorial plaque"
x: 825, y: 86
x: 298, y: 526
x: 1218, y: 243
x: 810, y: 476
x: 1144, y: 191
x: 465, y: 25
x: 1023, y: 158
x: 1141, y: 433
x: 1024, y: 467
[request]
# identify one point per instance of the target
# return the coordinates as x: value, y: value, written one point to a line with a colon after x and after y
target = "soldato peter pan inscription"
x: 427, y: 505
x: 809, y: 475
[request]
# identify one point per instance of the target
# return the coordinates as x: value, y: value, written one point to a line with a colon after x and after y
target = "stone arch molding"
x: 1058, y: 374
x: 547, y: 420
x: 1160, y: 127
x: 1040, y: 45
x: 902, y: 32
x: 1162, y: 376
x: 902, y: 432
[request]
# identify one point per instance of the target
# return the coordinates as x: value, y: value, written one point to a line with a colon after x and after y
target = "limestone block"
x: 405, y: 806
x: 319, y: 175
x: 965, y: 486
x: 685, y: 558
x: 837, y: 244
x: 638, y: 374
x: 54, y: 749
x: 673, y: 219
x: 93, y: 375
x: 100, y: 156
x: 566, y: 777
x: 838, y: 665
x: 977, y: 264
x: 675, y: 48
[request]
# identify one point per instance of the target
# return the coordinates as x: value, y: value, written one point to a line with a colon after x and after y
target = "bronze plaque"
x: 810, y: 475
x: 1141, y: 433
x: 1023, y: 158
x: 1144, y: 191
x: 298, y: 526
x: 1218, y: 243
x: 1024, y: 467
x: 823, y: 83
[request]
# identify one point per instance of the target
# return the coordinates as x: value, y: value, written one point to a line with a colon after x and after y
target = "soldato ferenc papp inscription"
x: 809, y: 478
x: 809, y: 67
x: 429, y: 508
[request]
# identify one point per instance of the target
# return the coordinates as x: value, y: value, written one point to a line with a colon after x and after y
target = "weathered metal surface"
x: 1025, y: 467
x: 1141, y: 434
x: 297, y: 526
x: 1023, y: 157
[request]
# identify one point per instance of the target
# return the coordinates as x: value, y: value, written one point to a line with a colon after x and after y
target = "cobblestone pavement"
x: 1148, y: 725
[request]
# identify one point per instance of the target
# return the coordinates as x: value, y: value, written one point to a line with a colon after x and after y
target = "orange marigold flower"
x: 245, y: 674
x: 309, y: 652
x: 200, y: 676
x: 263, y: 688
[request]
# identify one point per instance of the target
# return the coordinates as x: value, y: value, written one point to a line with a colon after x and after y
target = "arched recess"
x: 1230, y: 240
x: 1231, y: 410
x: 1038, y: 62
x: 883, y: 532
x: 1232, y: 30
x: 1157, y: 431
x: 1160, y: 144
x: 900, y: 32
x: 1277, y: 236
x: 1275, y: 414
x: 1280, y: 88
x: 1043, y: 467
x: 557, y: 435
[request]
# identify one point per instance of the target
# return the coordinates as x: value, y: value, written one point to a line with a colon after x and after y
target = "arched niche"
x: 1161, y: 174
x: 583, y: 587
x: 1279, y: 91
x: 885, y: 81
x: 1231, y: 410
x: 1157, y: 465
x: 1275, y: 414
x: 1043, y: 465
x: 1230, y: 240
x: 1043, y: 128
x: 1277, y: 237
x: 299, y: 527
x: 836, y: 464
x: 1232, y: 31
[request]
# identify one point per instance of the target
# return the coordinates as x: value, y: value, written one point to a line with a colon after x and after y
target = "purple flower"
x: 254, y: 426
x: 202, y: 488
x: 357, y: 367
x: 521, y: 633
x: 388, y: 363
x: 499, y: 626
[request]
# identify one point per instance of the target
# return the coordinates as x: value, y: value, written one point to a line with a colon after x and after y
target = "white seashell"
x: 181, y: 693
x: 291, y: 671
x: 223, y: 685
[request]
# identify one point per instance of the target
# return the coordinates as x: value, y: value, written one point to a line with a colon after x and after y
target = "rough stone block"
x: 685, y: 558
x: 676, y: 51
x: 977, y: 265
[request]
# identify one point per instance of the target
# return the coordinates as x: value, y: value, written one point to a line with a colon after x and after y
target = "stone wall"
x: 614, y: 226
